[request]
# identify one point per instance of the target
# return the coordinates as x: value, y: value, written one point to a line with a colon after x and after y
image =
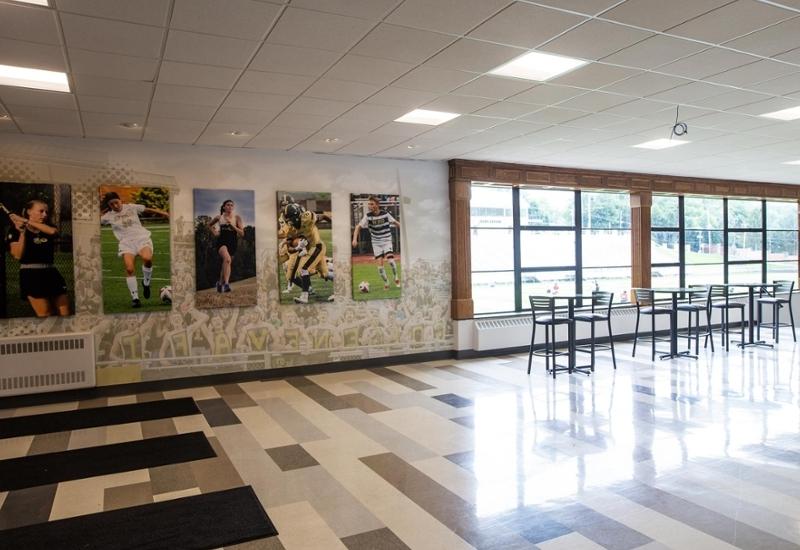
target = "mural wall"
x: 189, y: 340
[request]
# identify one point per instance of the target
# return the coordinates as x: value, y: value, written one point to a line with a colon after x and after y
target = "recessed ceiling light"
x: 792, y: 113
x: 432, y: 118
x: 235, y: 133
x: 35, y: 2
x: 538, y: 66
x: 5, y: 117
x: 662, y: 143
x: 331, y: 140
x: 130, y: 124
x: 793, y: 162
x: 33, y: 78
x: 411, y: 146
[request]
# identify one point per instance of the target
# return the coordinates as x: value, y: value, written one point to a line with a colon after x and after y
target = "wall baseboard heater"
x: 46, y: 363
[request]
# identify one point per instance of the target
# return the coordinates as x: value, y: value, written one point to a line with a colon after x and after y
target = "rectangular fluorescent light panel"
x: 662, y: 143
x: 421, y: 116
x: 33, y: 78
x: 793, y: 162
x: 538, y: 66
x: 792, y: 113
x: 35, y: 2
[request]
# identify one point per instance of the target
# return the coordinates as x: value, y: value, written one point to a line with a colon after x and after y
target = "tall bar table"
x: 571, y: 298
x: 751, y: 291
x: 673, y: 324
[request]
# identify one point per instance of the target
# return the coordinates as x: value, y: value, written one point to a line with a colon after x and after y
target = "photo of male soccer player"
x: 225, y: 248
x: 36, y: 263
x: 135, y: 240
x: 375, y: 223
x: 305, y: 248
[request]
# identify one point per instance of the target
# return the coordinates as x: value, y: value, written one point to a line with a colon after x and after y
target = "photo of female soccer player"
x: 375, y: 223
x: 135, y: 229
x: 225, y: 248
x: 36, y: 264
x: 305, y: 248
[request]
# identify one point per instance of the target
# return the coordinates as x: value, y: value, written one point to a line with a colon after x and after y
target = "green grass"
x: 116, y: 298
x: 322, y: 289
x: 15, y: 307
x: 369, y: 272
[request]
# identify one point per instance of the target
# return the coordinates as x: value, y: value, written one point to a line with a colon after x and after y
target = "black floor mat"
x: 98, y: 416
x: 43, y: 469
x: 198, y: 522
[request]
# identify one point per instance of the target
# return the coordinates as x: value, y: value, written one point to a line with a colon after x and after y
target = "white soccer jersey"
x: 379, y: 225
x: 126, y: 224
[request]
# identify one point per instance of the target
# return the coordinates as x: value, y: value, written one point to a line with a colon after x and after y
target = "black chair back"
x: 542, y: 305
x: 602, y: 300
x: 645, y: 297
x: 784, y: 287
x: 700, y: 294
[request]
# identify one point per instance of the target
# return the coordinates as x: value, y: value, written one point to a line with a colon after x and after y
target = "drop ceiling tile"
x: 363, y: 9
x: 703, y: 64
x: 218, y: 133
x: 170, y: 130
x: 495, y: 87
x: 7, y: 126
x: 203, y: 76
x: 145, y: 12
x: 645, y: 84
x: 432, y: 79
x: 29, y: 23
x: 472, y: 55
x: 779, y: 86
x: 243, y: 19
x: 321, y: 107
x: 401, y: 43
x: 588, y: 7
x: 654, y: 51
x: 729, y: 121
x: 637, y: 107
x: 659, y: 15
x: 595, y: 101
x: 273, y: 83
x: 689, y: 93
x: 370, y: 145
x: 313, y: 29
x: 746, y: 75
x: 792, y: 56
x: 317, y: 143
x: 774, y: 40
x: 729, y: 21
x: 401, y: 129
x: 458, y: 104
x: 593, y: 76
x: 106, y: 126
x: 467, y: 123
x: 448, y: 16
x: 554, y: 115
x: 264, y: 102
x: 112, y: 65
x: 506, y: 109
x: 765, y: 105
x: 112, y: 87
x: 341, y: 90
x: 349, y: 125
x: 302, y: 120
x: 374, y: 113
x: 584, y: 42
x: 525, y: 25
x: 205, y: 49
x: 279, y: 137
x: 293, y: 60
x: 190, y: 95
x: 28, y: 54
x: 237, y: 117
x: 43, y: 120
x: 11, y: 95
x: 183, y: 111
x: 112, y: 105
x: 401, y: 97
x: 547, y: 94
x: 368, y: 70
x: 596, y: 121
x: 103, y: 35
x: 515, y: 128
x: 729, y: 99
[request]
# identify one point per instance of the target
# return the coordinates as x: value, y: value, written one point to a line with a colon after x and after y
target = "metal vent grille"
x: 40, y: 381
x: 62, y: 344
x: 486, y: 324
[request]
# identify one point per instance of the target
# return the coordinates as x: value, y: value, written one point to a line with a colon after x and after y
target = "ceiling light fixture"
x: 411, y: 146
x: 662, y: 143
x: 130, y: 125
x: 5, y: 117
x: 793, y: 113
x: 793, y: 162
x: 39, y: 79
x: 235, y: 133
x: 331, y: 140
x: 538, y: 66
x: 35, y: 2
x: 422, y: 116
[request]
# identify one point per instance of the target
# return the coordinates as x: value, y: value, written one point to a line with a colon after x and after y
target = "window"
x: 606, y: 243
x: 745, y: 247
x: 492, y: 237
x: 666, y: 241
x: 704, y: 237
x: 781, y: 241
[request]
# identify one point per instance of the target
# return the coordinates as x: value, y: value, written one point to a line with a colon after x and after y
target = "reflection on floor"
x: 461, y: 454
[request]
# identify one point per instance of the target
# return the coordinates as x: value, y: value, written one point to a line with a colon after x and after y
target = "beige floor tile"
x: 198, y: 394
x: 14, y: 447
x: 122, y: 433
x: 337, y: 383
x: 176, y: 494
x: 431, y: 430
x: 43, y: 409
x: 87, y: 437
x: 193, y: 423
x: 122, y: 400
x: 301, y: 528
x: 450, y: 475
x: 3, y: 495
x: 572, y: 541
x: 85, y: 496
x: 264, y: 428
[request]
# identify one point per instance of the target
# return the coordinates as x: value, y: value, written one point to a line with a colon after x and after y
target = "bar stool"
x: 777, y: 303
x: 543, y: 310
x: 699, y: 300
x: 601, y: 311
x: 646, y: 305
x: 725, y: 306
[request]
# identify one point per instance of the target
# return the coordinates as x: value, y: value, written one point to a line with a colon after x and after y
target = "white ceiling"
x: 331, y: 76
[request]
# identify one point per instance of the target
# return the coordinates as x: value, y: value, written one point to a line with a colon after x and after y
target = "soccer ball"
x: 363, y: 286
x: 165, y: 294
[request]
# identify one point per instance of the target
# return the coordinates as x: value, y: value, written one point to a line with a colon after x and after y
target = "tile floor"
x: 463, y: 454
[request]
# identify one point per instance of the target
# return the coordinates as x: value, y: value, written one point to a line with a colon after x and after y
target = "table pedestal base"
x: 685, y: 353
x: 761, y: 343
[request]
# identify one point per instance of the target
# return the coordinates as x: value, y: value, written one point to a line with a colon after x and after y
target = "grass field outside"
x: 116, y: 298
x: 15, y: 306
x: 322, y: 289
x: 366, y: 269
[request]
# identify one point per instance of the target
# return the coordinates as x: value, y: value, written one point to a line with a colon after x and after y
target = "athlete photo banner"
x: 305, y: 247
x: 225, y: 248
x: 375, y: 231
x: 36, y: 262
x: 135, y: 248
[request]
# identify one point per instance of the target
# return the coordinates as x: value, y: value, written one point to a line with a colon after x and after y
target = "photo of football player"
x: 375, y: 244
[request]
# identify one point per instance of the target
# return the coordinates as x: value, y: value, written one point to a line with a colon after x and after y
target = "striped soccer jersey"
x: 379, y: 225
